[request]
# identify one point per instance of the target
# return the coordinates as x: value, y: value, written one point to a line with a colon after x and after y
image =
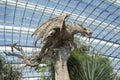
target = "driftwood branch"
x: 22, y: 56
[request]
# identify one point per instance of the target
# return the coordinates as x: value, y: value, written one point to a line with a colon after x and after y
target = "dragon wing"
x: 45, y: 28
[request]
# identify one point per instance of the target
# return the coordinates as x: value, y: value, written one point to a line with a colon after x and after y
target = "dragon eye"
x: 85, y: 29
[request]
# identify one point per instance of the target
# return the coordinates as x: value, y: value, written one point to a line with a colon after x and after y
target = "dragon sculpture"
x: 55, y: 33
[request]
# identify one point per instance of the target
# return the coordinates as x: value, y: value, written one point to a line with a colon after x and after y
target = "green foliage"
x: 85, y: 67
x: 46, y: 68
x: 7, y: 72
x: 82, y: 66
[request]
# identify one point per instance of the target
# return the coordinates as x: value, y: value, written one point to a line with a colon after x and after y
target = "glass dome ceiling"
x: 19, y: 18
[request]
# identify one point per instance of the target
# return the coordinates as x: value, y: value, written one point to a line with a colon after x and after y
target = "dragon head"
x: 84, y: 31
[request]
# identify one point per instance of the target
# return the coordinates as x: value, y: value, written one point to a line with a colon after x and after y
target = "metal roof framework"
x: 19, y: 18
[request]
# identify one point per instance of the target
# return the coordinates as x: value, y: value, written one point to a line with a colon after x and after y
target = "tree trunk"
x: 60, y: 64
